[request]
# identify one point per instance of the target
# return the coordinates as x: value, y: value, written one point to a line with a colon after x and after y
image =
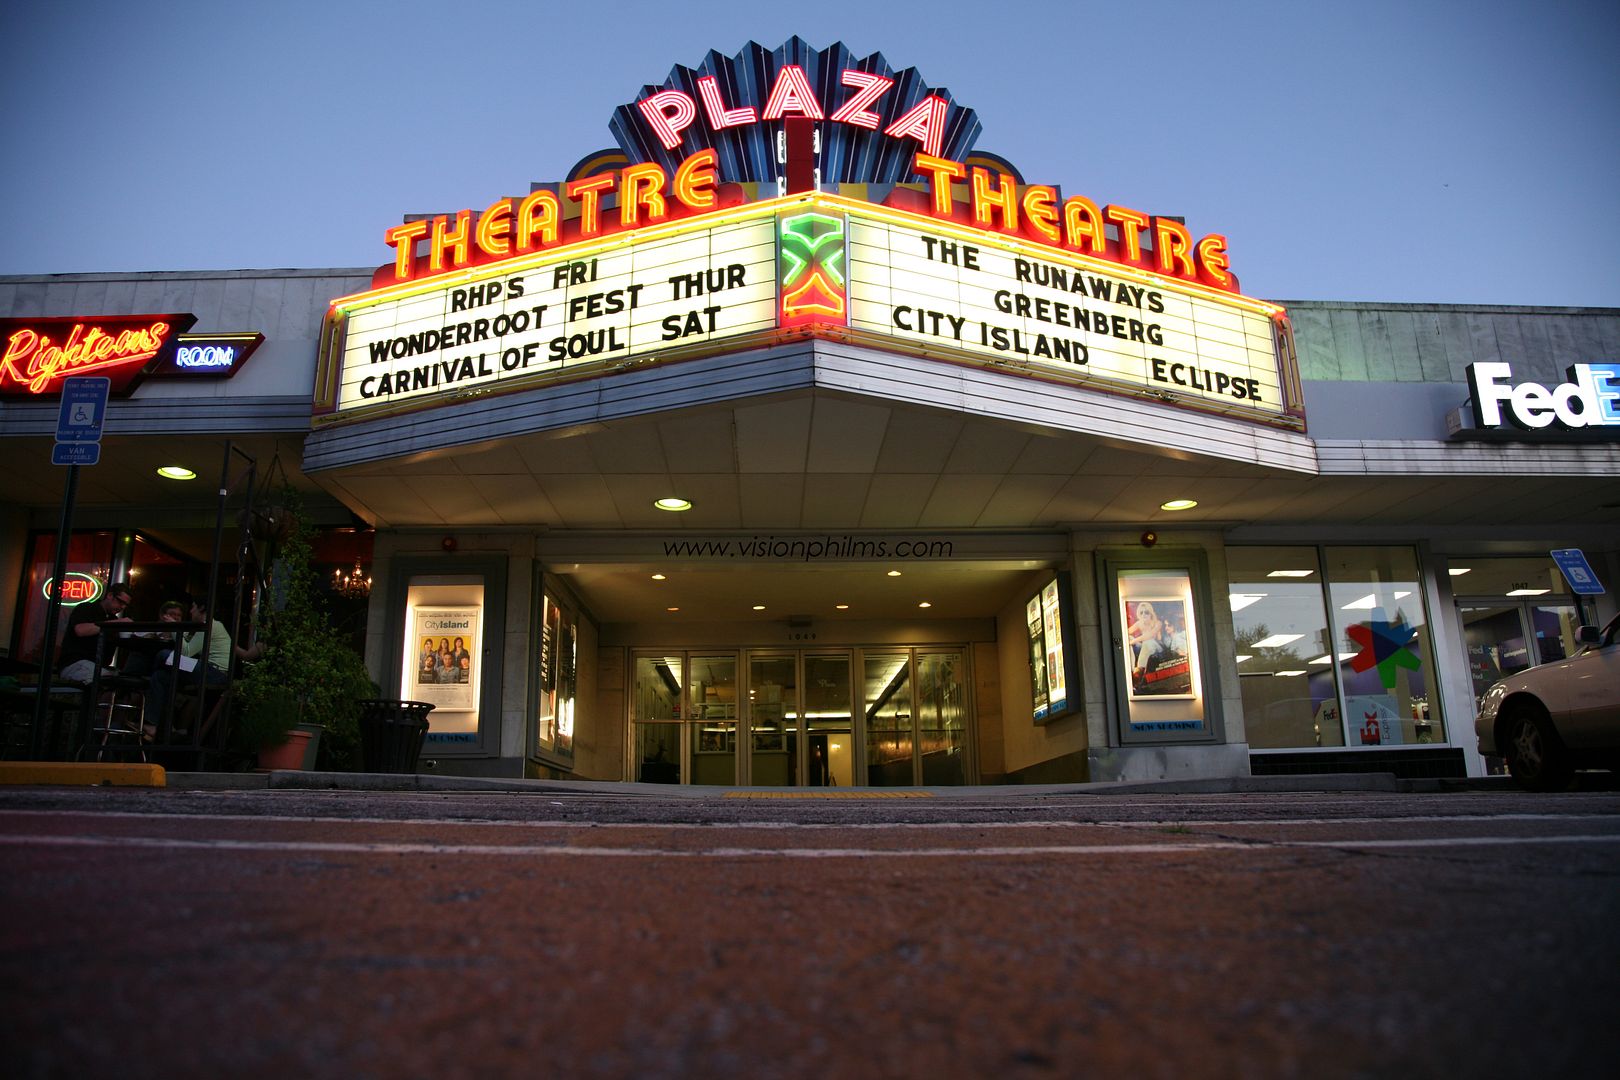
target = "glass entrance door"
x: 829, y: 721
x: 1504, y: 638
x: 797, y: 718
x: 773, y: 721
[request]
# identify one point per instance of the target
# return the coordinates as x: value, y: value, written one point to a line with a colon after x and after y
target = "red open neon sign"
x: 77, y: 588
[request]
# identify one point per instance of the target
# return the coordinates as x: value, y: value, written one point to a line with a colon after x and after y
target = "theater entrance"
x: 881, y: 717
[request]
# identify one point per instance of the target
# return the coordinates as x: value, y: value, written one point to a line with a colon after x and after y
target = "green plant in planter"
x: 304, y: 657
x: 266, y: 722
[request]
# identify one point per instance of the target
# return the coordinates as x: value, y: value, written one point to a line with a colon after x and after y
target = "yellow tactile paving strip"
x: 829, y: 794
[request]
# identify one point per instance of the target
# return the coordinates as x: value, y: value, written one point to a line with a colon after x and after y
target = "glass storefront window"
x: 1386, y: 656
x: 1285, y: 672
x: 1333, y: 647
x: 89, y: 558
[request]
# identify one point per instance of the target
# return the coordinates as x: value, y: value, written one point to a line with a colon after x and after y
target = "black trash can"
x: 391, y: 734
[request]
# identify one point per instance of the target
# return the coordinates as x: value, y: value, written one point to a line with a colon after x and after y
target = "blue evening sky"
x: 1414, y: 151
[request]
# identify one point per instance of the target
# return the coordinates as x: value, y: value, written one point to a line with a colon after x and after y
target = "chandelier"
x: 352, y: 584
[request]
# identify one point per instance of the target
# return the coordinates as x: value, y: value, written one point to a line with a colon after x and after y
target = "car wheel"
x: 1534, y: 754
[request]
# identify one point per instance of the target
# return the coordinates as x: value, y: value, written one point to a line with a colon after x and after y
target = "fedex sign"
x: 1590, y: 399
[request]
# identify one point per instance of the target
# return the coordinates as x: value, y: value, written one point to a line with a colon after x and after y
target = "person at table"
x: 216, y: 669
x: 84, y: 647
x: 143, y: 651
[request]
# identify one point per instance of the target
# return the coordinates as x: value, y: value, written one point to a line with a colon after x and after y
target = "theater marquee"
x: 656, y: 258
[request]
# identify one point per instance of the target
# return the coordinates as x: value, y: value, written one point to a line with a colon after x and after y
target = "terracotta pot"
x: 289, y: 755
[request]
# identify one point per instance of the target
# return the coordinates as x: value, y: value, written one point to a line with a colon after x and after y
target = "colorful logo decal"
x: 1384, y: 645
x: 811, y: 268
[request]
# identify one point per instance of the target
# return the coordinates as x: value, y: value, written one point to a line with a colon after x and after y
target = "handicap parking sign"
x: 84, y: 408
x: 1578, y: 572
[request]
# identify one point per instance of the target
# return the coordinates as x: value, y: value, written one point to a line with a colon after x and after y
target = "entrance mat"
x: 829, y: 794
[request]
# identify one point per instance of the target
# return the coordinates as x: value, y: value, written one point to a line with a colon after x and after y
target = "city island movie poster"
x: 445, y: 642
x: 1156, y: 647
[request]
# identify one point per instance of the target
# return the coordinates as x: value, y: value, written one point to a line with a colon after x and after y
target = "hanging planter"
x: 271, y: 518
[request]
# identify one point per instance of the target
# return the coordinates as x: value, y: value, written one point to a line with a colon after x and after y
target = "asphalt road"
x: 333, y: 934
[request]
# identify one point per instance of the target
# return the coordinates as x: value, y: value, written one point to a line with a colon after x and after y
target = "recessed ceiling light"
x: 1277, y: 641
x: 759, y: 607
x: 1365, y: 603
x: 673, y: 505
x: 925, y: 604
x: 841, y: 607
x: 1178, y: 504
x: 1527, y: 592
x: 1459, y: 571
x: 658, y: 577
x: 1326, y: 659
x: 672, y: 609
x: 176, y: 472
x: 1285, y: 674
x: 1241, y: 600
x: 1244, y: 656
x: 1291, y: 573
x: 894, y: 573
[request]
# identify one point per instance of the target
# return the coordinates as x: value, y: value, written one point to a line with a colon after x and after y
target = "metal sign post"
x: 78, y: 442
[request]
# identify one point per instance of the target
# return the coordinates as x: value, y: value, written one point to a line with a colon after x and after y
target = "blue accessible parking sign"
x: 1577, y: 571
x: 84, y: 408
x: 78, y: 424
x: 76, y: 453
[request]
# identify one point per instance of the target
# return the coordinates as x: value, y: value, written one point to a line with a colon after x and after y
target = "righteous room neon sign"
x: 37, y: 354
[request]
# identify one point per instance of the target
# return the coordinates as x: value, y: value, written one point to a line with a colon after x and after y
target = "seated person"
x: 216, y: 669
x: 84, y: 647
x: 143, y: 650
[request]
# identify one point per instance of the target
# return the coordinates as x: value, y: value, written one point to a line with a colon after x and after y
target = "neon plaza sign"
x: 669, y: 258
x: 1589, y: 400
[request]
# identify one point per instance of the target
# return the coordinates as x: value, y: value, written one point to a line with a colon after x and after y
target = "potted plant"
x: 269, y: 727
x: 302, y: 656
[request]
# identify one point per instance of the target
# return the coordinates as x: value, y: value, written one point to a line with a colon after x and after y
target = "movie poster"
x: 446, y: 640
x: 1156, y: 647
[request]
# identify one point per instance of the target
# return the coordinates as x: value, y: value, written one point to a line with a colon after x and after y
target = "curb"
x: 296, y: 780
x: 81, y: 774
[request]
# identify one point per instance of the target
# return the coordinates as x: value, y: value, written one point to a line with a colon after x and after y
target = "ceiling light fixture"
x: 894, y: 573
x: 672, y: 609
x: 1459, y: 571
x: 1241, y: 600
x: 759, y: 607
x: 1527, y: 592
x: 1365, y: 603
x: 841, y: 607
x: 673, y: 505
x: 925, y: 604
x: 176, y: 472
x: 1178, y: 504
x: 658, y: 577
x: 352, y: 584
x: 1286, y: 674
x: 1291, y: 573
x: 1277, y: 641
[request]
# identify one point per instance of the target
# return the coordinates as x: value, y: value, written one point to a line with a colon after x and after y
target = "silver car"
x: 1549, y: 720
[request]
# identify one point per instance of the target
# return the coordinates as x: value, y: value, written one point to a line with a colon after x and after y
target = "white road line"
x: 1155, y: 823
x: 533, y: 850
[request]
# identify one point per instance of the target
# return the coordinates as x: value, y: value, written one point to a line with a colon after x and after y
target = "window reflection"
x: 1285, y: 669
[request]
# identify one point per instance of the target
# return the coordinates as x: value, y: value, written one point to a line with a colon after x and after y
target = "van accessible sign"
x: 1589, y: 401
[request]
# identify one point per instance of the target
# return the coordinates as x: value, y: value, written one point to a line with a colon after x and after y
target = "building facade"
x: 930, y: 433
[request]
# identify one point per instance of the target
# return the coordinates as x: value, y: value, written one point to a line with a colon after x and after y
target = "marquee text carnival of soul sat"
x: 714, y: 228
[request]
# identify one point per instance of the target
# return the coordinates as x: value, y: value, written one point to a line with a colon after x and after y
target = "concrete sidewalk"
x: 435, y: 782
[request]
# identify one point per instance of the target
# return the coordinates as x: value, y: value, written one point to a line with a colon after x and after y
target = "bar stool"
x: 118, y: 714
